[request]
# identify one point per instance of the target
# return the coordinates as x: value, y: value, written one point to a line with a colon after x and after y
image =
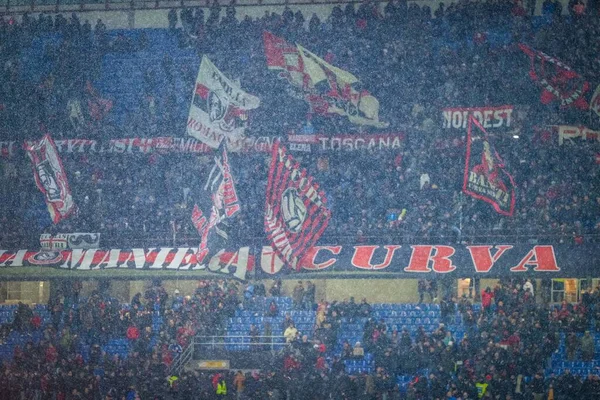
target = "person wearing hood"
x: 588, y: 348
x: 572, y: 344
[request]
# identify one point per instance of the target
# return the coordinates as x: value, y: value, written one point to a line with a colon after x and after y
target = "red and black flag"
x: 51, y: 179
x: 485, y: 177
x: 296, y: 212
x: 98, y: 106
x: 213, y: 219
x: 558, y: 80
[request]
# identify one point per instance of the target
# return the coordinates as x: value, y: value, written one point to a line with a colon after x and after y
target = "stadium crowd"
x: 499, y: 357
x: 447, y: 58
x: 425, y: 60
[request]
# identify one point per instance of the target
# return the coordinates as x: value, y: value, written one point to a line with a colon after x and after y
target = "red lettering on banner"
x: 308, y: 261
x: 542, y: 258
x: 422, y: 255
x: 483, y: 261
x: 364, y: 254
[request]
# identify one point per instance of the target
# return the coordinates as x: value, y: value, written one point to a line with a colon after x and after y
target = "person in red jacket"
x: 133, y: 333
x: 486, y: 299
x: 51, y: 354
x: 36, y: 322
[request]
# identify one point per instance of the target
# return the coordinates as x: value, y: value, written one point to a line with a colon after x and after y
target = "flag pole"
x: 460, y: 216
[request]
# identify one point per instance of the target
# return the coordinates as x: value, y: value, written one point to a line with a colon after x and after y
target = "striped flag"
x: 557, y: 80
x: 51, y: 179
x: 296, y: 213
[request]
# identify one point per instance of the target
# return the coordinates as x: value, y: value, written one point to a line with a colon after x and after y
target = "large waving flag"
x: 558, y: 80
x: 217, y: 204
x: 51, y: 179
x: 296, y: 212
x: 485, y: 177
x: 327, y: 88
x: 219, y: 109
x: 219, y: 199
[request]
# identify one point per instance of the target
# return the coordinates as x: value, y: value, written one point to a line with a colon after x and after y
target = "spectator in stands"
x: 298, y: 295
x: 287, y: 321
x: 239, y: 383
x: 275, y: 290
x: 432, y: 289
x: 22, y: 317
x: 588, y: 348
x: 172, y: 16
x: 273, y: 310
x: 358, y: 351
x: 538, y: 387
x: 448, y: 310
x: 486, y: 300
x: 259, y: 289
x: 221, y: 389
x: 249, y: 295
x: 268, y: 333
x: 422, y: 289
x: 347, y: 350
x: 254, y: 336
x: 364, y: 309
x: 290, y: 333
x: 572, y: 345
x: 309, y: 296
x: 528, y: 287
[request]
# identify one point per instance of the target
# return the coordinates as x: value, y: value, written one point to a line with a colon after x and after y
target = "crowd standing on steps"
x: 503, y: 354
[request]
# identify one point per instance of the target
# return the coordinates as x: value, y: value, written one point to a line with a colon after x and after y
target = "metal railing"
x: 181, y: 360
x: 220, y: 342
x: 22, y: 6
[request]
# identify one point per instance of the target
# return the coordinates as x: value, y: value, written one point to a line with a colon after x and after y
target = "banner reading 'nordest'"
x: 488, y: 117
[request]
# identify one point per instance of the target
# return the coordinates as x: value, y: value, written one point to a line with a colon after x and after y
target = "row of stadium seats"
x: 239, y: 325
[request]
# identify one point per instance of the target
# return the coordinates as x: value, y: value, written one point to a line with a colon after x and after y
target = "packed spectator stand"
x: 76, y: 348
x: 60, y: 71
x: 57, y: 71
